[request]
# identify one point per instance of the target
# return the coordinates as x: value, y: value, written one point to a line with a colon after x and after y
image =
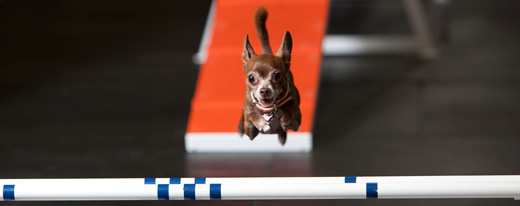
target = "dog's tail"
x: 260, y: 17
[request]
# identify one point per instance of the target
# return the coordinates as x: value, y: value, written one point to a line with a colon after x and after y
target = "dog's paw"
x: 282, y: 137
x: 264, y: 127
x: 240, y: 127
x: 290, y: 126
x: 285, y: 127
x: 251, y: 131
x: 291, y: 123
x: 241, y: 132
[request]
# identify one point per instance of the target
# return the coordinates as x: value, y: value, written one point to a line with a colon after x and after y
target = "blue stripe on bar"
x: 215, y: 192
x: 200, y: 180
x: 163, y: 192
x: 175, y: 180
x: 150, y: 181
x: 8, y: 192
x: 350, y: 179
x: 371, y: 190
x: 189, y: 191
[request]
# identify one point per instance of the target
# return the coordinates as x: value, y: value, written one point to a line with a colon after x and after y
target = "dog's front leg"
x: 291, y: 119
x: 282, y: 137
x: 250, y: 130
x: 258, y: 121
x: 240, y: 127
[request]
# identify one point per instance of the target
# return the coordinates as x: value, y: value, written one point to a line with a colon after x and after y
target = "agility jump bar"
x: 261, y: 188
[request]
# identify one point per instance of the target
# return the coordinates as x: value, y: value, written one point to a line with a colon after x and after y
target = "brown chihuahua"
x: 272, y: 102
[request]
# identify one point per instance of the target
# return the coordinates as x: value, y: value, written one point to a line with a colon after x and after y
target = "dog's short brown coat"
x: 284, y: 117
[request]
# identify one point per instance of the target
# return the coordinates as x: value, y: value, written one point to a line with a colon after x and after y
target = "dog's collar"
x: 275, y: 105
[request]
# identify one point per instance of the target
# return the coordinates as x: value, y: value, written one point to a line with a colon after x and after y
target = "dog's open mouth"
x: 266, y: 101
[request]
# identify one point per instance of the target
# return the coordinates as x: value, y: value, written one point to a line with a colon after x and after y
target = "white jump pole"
x: 270, y: 180
x: 261, y: 188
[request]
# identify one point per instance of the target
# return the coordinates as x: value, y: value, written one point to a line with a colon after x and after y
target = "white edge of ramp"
x: 231, y: 142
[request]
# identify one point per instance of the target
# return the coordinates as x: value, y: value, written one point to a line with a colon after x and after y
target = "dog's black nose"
x: 265, y: 92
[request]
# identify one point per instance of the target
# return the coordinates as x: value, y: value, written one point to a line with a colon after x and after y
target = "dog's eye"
x: 251, y: 79
x: 277, y: 76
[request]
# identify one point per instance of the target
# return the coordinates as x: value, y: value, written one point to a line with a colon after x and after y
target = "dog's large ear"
x: 248, y: 51
x: 285, y: 49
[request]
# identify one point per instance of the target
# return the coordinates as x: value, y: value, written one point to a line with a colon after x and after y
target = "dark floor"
x: 103, y: 89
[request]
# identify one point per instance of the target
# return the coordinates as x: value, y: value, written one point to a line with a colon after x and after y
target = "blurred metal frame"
x: 420, y: 42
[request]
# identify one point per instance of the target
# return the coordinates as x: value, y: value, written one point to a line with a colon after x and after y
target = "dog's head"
x: 267, y: 75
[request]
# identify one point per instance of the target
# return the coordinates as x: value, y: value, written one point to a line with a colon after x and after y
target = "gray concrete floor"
x: 103, y: 89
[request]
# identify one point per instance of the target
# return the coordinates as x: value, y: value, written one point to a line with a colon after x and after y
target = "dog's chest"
x: 270, y: 122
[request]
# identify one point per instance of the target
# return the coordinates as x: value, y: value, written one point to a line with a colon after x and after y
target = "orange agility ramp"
x: 219, y: 95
